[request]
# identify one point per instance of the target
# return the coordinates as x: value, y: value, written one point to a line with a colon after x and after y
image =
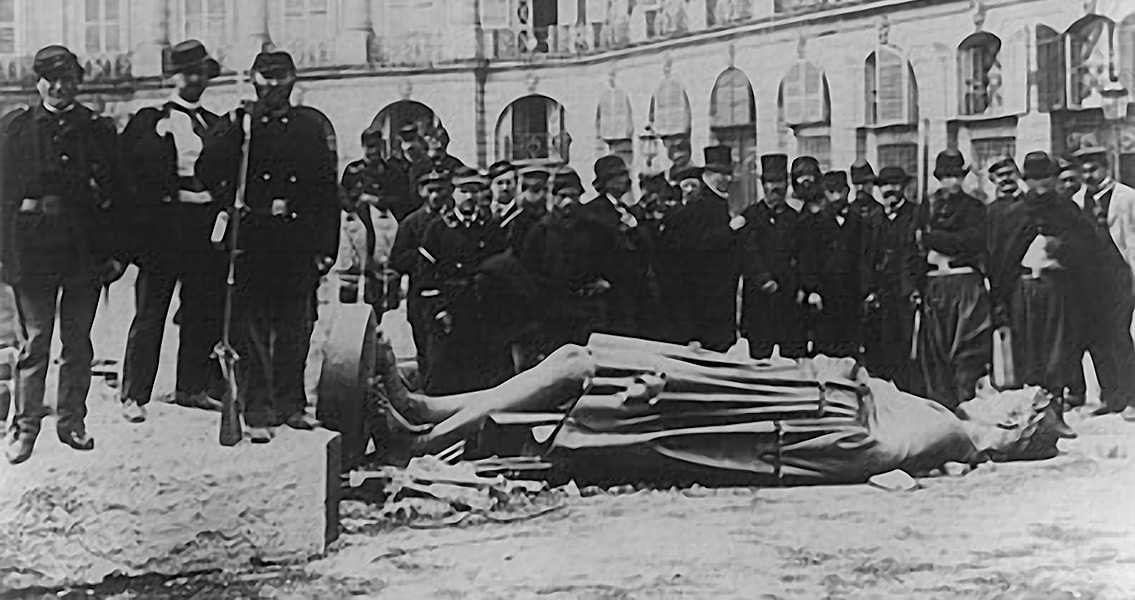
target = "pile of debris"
x: 430, y: 493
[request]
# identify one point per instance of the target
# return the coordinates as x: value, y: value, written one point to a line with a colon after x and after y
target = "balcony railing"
x: 17, y: 70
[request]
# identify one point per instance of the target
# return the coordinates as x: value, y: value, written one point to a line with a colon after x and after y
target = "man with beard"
x: 1042, y: 263
x: 502, y: 185
x: 466, y: 349
x: 518, y: 218
x: 834, y: 257
x: 553, y: 255
x: 288, y: 239
x: 863, y: 193
x: 702, y: 241
x: 618, y: 251
x: 174, y: 214
x: 60, y: 240
x: 1110, y: 207
x: 374, y: 172
x: 436, y: 191
x: 898, y: 269
x: 955, y: 336
x: 770, y: 268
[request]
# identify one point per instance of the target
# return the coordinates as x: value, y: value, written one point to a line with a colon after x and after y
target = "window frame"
x: 85, y: 24
x: 970, y: 51
x: 227, y: 18
x: 280, y: 25
x: 17, y: 28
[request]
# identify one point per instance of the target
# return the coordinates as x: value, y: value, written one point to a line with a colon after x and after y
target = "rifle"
x: 224, y: 352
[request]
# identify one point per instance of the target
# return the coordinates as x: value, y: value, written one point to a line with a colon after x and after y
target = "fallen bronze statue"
x: 641, y: 411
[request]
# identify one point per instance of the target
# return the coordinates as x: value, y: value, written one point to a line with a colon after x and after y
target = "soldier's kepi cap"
x: 51, y: 61
x: 950, y: 163
x: 774, y: 167
x: 835, y: 180
x: 372, y: 135
x: 188, y: 56
x: 434, y: 176
x: 274, y: 65
x: 1039, y: 165
x: 501, y: 167
x: 862, y: 173
x: 468, y: 176
x: 688, y: 173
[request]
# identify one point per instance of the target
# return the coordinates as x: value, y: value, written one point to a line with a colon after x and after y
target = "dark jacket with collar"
x: 899, y: 264
x: 620, y: 254
x: 835, y: 259
x: 73, y: 156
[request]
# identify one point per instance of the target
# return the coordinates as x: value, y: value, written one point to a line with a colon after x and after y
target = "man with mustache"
x: 288, y: 239
x: 863, y: 193
x: 61, y: 239
x: 518, y: 217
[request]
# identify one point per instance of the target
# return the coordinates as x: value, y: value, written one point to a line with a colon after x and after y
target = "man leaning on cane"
x: 58, y: 242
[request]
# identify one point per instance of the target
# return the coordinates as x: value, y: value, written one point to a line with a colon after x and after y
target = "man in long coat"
x: 1042, y: 264
x: 288, y: 239
x: 770, y: 314
x: 955, y: 337
x: 174, y: 214
x: 702, y: 241
x: 60, y: 239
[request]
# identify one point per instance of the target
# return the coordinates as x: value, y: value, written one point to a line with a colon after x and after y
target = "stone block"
x: 163, y: 497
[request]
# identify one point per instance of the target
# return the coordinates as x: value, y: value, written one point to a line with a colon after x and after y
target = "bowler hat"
x: 893, y: 175
x: 835, y: 180
x: 189, y: 55
x: 861, y: 172
x: 719, y: 159
x: 274, y: 65
x: 566, y: 179
x: 1039, y: 165
x: 372, y: 135
x: 806, y: 165
x: 688, y: 173
x: 50, y: 60
x: 950, y: 163
x: 774, y: 167
x: 608, y: 167
x: 501, y: 167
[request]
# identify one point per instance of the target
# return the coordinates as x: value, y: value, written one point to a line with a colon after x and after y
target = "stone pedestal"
x: 163, y: 497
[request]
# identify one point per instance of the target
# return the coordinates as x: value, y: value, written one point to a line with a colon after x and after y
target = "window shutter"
x: 614, y: 116
x: 869, y: 90
x: 1050, y: 69
x: 494, y: 13
x: 1014, y: 62
x: 732, y: 103
x: 670, y: 110
x: 965, y: 79
x: 792, y: 95
x: 567, y: 12
x: 893, y: 85
x: 1125, y: 45
x: 813, y: 94
x: 504, y: 135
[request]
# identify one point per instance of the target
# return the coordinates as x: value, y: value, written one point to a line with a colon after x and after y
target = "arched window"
x: 892, y: 93
x: 804, y: 111
x: 731, y: 103
x: 1127, y: 52
x: 306, y: 29
x: 531, y: 130
x: 394, y: 117
x: 614, y: 123
x: 733, y: 123
x: 670, y: 110
x: 979, y: 75
x: 1073, y: 68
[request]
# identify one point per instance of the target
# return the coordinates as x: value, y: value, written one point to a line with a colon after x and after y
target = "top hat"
x: 950, y: 163
x: 274, y: 65
x: 861, y: 172
x: 501, y: 167
x: 806, y: 165
x: 774, y: 167
x: 1039, y: 165
x: 1089, y: 148
x: 893, y: 175
x: 50, y: 60
x: 608, y: 167
x: 566, y: 179
x: 189, y: 55
x: 835, y: 180
x: 719, y: 159
x: 372, y: 135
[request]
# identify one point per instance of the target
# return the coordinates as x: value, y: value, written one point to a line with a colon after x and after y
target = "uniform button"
x: 64, y: 158
x: 292, y: 179
x: 267, y: 177
x: 284, y: 120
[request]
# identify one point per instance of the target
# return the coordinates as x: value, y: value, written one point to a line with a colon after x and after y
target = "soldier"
x: 955, y: 337
x: 391, y: 184
x: 517, y: 218
x: 834, y: 266
x: 1042, y: 260
x: 436, y: 191
x: 411, y: 150
x: 502, y: 185
x: 174, y: 214
x: 770, y: 268
x: 288, y: 239
x: 466, y: 349
x: 863, y: 200
x: 437, y: 156
x: 702, y: 240
x: 59, y: 243
x: 899, y: 265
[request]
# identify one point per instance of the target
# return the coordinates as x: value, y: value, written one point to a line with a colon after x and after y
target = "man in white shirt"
x: 174, y: 216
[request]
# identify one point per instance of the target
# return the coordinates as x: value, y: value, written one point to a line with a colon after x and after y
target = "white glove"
x: 816, y: 301
x: 737, y: 222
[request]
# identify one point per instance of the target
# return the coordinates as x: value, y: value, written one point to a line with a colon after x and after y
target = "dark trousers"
x: 1113, y: 355
x: 888, y: 342
x: 772, y: 319
x: 839, y: 327
x: 272, y: 328
x: 38, y: 296
x: 200, y: 319
x: 1045, y: 351
x: 955, y: 339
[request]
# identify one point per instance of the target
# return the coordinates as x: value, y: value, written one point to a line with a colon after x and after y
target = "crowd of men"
x: 506, y: 265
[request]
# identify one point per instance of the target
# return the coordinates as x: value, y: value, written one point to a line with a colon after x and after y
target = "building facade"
x: 555, y: 81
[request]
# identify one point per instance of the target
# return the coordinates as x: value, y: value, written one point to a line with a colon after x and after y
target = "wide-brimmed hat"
x: 1039, y: 165
x: 274, y: 65
x: 950, y: 163
x: 719, y: 159
x: 774, y: 167
x: 50, y: 60
x: 189, y: 55
x: 861, y: 172
x: 893, y: 175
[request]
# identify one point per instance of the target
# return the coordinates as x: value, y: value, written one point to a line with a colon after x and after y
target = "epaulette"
x: 14, y: 115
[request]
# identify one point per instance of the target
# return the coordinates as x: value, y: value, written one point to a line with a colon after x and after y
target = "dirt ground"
x: 1059, y: 529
